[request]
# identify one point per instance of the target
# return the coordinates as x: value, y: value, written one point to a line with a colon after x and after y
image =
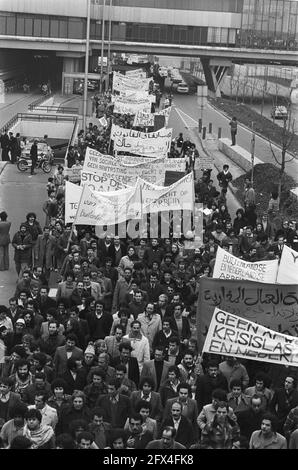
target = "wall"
x: 60, y: 130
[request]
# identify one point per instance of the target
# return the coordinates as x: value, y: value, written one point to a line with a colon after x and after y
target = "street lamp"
x: 109, y: 36
x: 85, y: 98
x: 102, y: 43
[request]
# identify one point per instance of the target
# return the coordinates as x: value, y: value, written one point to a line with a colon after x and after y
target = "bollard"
x: 219, y: 133
x: 204, y: 133
x: 210, y: 128
x: 200, y: 125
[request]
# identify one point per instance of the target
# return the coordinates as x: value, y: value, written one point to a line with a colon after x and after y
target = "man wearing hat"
x: 89, y: 359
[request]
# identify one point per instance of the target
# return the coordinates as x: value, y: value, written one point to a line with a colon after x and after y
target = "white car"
x: 182, y: 88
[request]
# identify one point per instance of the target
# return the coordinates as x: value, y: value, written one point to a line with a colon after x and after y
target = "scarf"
x: 19, y: 385
x: 40, y: 436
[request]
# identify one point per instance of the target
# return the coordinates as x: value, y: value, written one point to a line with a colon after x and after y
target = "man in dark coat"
x: 185, y: 432
x: 4, y: 141
x: 130, y: 363
x: 117, y: 406
x: 251, y: 419
x: 33, y: 156
x: 207, y: 383
x: 22, y: 243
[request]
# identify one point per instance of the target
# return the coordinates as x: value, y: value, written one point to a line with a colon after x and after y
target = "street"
x: 20, y: 193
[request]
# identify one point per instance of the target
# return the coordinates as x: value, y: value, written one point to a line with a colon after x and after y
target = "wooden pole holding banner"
x: 73, y: 224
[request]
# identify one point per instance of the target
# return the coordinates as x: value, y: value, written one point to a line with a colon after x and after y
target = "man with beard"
x: 208, y: 382
x: 53, y: 340
x: 174, y: 354
x: 22, y: 377
x: 130, y: 363
x: 45, y: 302
x: 65, y: 352
x: 26, y: 282
x: 99, y: 322
x: 8, y: 399
x: 124, y: 385
x: 113, y: 342
x: 22, y: 243
x: 136, y: 437
x: 187, y: 367
x: 96, y: 387
x: 18, y: 352
x: 40, y: 384
x: 167, y: 440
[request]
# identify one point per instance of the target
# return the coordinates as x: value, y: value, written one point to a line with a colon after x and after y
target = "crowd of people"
x: 111, y: 359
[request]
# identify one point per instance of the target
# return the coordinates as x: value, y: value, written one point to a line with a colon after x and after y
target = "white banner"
x: 141, y: 143
x: 106, y: 173
x: 72, y: 196
x: 165, y: 112
x: 139, y: 73
x: 230, y: 335
x: 133, y: 96
x: 143, y: 119
x: 170, y: 164
x: 94, y: 209
x: 123, y: 83
x: 288, y: 267
x: 178, y: 196
x: 103, y: 122
x: 228, y: 266
x: 131, y: 107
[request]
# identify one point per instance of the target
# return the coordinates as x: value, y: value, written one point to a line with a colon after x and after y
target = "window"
x: 62, y: 29
x: 28, y: 27
x: 20, y: 26
x: 37, y: 27
x: 3, y: 24
x: 11, y: 25
x: 45, y: 27
x: 54, y: 29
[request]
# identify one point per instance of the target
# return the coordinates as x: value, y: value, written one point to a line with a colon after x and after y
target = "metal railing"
x: 36, y: 117
x: 40, y: 100
x: 54, y: 109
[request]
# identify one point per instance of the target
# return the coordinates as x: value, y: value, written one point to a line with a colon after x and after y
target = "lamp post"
x: 85, y: 98
x: 109, y: 36
x: 252, y: 151
x: 102, y: 43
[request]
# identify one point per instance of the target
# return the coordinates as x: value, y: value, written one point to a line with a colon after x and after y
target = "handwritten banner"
x: 95, y: 209
x: 230, y: 335
x: 270, y: 305
x: 106, y: 173
x: 129, y: 107
x: 72, y: 197
x: 123, y: 83
x: 228, y: 266
x: 143, y: 119
x: 288, y: 266
x: 141, y: 143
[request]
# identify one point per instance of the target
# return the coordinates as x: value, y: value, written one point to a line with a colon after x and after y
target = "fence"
x: 54, y: 109
x: 37, y: 118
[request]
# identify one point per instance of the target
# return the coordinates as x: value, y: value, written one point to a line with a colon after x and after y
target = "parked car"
x: 279, y: 112
x: 182, y: 88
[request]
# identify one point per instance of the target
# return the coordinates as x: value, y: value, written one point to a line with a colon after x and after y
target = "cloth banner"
x: 143, y: 119
x: 133, y: 96
x: 139, y: 73
x: 288, y: 267
x: 74, y: 174
x: 178, y: 196
x: 228, y: 266
x: 122, y: 83
x: 72, y: 196
x: 230, y: 335
x: 95, y: 209
x: 141, y: 143
x: 105, y: 173
x: 131, y: 107
x: 166, y: 113
x: 274, y: 306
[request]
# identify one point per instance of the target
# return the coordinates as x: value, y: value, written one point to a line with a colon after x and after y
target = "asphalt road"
x: 20, y: 193
x: 188, y: 104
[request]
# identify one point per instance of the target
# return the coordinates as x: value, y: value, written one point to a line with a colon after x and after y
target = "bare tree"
x: 287, y: 136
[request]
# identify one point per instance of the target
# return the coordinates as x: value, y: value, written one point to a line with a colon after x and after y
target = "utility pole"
x: 252, y: 151
x: 85, y: 99
x: 109, y: 37
x: 102, y: 42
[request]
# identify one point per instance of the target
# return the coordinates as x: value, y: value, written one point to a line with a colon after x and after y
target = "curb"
x: 249, y: 129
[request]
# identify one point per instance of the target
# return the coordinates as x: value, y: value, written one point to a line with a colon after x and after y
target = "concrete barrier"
x: 237, y: 154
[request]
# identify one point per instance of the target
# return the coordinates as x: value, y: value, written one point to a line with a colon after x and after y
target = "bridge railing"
x: 38, y: 118
x: 54, y: 109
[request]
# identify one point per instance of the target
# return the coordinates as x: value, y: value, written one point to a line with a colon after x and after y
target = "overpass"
x: 218, y: 31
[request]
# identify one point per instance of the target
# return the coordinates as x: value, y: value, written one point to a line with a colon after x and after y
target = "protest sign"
x: 166, y: 113
x: 130, y: 107
x: 178, y: 196
x: 72, y: 196
x: 106, y: 173
x: 288, y: 267
x: 74, y: 174
x: 141, y: 143
x: 95, y: 209
x: 271, y: 305
x: 103, y: 122
x: 143, y: 119
x: 139, y: 73
x: 122, y: 83
x: 230, y: 335
x: 228, y: 266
